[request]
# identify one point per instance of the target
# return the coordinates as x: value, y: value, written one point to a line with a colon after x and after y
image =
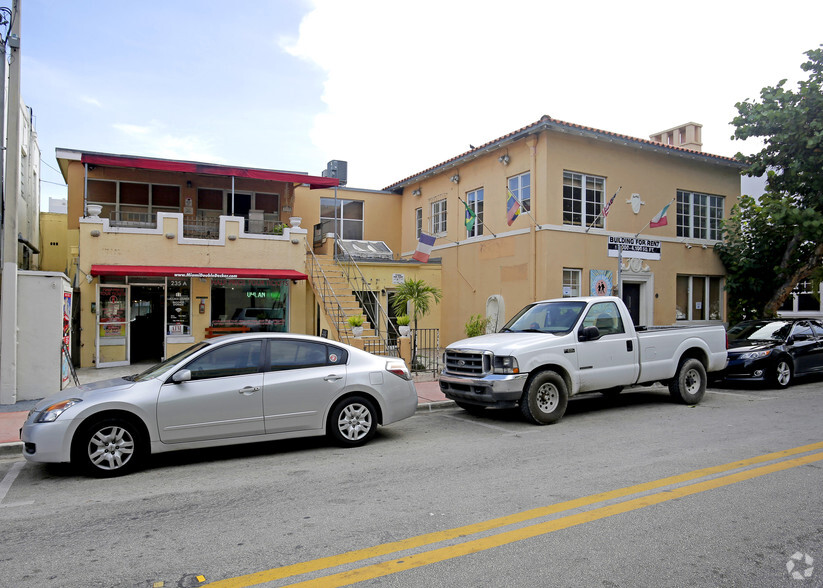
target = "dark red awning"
x: 195, y: 272
x: 209, y: 169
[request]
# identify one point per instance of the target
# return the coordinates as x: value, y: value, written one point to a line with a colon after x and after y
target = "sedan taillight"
x: 398, y: 368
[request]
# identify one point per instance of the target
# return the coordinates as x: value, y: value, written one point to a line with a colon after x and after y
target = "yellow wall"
x: 382, y: 212
x: 523, y: 263
x: 54, y: 242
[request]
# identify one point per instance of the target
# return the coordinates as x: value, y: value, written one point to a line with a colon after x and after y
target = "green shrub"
x: 355, y: 321
x: 403, y: 320
x: 476, y: 325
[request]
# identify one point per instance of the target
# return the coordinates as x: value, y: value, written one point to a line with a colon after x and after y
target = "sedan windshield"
x: 546, y: 317
x: 760, y: 331
x: 161, y: 367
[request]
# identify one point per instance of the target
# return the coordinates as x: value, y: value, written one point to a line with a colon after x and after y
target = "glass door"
x: 112, y: 341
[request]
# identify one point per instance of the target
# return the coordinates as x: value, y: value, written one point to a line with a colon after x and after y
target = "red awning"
x: 206, y: 168
x: 195, y: 272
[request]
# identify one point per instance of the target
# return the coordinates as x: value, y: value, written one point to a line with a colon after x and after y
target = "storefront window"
x: 178, y: 307
x: 112, y: 311
x: 256, y: 304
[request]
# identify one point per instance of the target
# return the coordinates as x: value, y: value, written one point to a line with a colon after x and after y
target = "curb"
x: 432, y: 406
x: 13, y: 449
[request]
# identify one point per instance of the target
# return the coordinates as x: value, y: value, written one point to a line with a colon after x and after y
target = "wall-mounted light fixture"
x: 94, y: 233
x: 416, y: 192
x: 188, y: 183
x: 688, y: 246
x: 504, y: 159
x: 169, y: 235
x: 455, y: 178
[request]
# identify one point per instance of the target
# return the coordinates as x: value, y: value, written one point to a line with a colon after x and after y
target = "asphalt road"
x: 631, y: 492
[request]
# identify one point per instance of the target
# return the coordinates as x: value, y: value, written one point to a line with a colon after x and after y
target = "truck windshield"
x: 546, y: 317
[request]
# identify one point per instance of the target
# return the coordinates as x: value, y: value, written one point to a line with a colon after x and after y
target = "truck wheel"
x: 544, y: 401
x: 689, y: 383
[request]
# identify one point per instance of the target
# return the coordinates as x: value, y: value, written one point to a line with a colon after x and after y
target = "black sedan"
x: 774, y: 350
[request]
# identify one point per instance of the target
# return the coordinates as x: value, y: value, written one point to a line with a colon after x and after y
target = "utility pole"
x: 11, y: 194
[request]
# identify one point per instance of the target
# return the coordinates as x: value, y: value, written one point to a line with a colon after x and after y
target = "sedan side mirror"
x: 589, y: 333
x: 181, y: 376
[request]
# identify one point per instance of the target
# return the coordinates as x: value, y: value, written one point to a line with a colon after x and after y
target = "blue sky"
x: 392, y: 88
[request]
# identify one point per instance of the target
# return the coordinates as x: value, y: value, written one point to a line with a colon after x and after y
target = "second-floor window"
x: 474, y: 200
x: 418, y: 222
x: 583, y: 196
x: 520, y: 187
x: 345, y: 215
x: 699, y: 215
x: 438, y: 217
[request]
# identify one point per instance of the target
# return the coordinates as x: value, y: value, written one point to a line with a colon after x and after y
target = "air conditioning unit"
x: 337, y: 169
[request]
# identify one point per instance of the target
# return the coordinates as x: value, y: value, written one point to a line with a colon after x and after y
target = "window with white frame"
x: 583, y: 199
x: 699, y: 215
x: 474, y: 200
x: 438, y: 217
x: 806, y: 298
x: 346, y: 215
x: 699, y: 298
x: 418, y: 222
x: 571, y: 282
x: 520, y: 187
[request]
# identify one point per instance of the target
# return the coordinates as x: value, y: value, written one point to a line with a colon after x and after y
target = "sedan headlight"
x: 505, y: 364
x: 50, y: 413
x: 755, y: 354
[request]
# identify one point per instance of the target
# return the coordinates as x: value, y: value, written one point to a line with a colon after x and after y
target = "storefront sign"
x: 638, y: 247
x: 178, y: 307
x: 398, y: 278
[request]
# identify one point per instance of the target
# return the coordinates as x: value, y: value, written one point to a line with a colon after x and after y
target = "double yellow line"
x: 475, y: 545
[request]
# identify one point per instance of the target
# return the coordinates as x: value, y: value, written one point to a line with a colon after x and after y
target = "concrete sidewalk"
x: 12, y: 416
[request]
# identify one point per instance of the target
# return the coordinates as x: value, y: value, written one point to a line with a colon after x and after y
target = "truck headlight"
x: 505, y: 364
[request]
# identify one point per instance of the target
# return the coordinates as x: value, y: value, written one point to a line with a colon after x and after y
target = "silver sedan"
x: 223, y: 391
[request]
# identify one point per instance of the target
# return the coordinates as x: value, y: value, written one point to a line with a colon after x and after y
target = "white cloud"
x: 407, y: 88
x: 155, y: 140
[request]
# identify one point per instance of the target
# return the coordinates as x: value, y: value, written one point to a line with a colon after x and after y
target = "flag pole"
x: 484, y: 223
x: 604, y: 208
x: 520, y: 204
x: 669, y: 203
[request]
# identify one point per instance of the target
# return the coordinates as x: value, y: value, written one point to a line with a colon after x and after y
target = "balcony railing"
x: 197, y: 227
x: 134, y: 220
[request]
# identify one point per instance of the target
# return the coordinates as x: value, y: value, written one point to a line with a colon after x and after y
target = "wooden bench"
x: 217, y: 331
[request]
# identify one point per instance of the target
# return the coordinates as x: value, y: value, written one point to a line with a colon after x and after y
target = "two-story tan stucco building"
x: 164, y: 253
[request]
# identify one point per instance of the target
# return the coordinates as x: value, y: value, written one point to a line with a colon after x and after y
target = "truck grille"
x: 467, y: 363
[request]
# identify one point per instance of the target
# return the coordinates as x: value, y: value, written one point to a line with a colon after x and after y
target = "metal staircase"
x: 336, y: 280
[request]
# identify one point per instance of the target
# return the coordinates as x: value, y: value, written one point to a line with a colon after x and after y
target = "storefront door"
x: 146, y: 323
x: 111, y: 343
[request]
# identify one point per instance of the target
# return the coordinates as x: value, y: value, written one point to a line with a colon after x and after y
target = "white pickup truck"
x: 554, y: 349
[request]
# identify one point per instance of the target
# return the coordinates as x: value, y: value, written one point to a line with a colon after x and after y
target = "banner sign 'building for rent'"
x: 639, y: 247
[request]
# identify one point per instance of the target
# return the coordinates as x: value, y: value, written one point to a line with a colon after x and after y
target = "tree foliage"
x: 775, y: 242
x: 421, y: 296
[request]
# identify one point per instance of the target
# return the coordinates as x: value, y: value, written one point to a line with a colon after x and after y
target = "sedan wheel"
x: 353, y: 421
x: 110, y: 447
x: 782, y: 375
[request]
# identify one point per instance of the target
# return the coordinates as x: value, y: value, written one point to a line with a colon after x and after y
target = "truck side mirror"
x: 589, y: 333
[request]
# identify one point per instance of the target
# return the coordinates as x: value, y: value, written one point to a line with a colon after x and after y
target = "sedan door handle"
x: 333, y: 378
x: 248, y: 390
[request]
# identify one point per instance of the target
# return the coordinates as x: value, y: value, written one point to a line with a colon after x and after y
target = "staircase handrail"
x: 341, y: 315
x: 382, y: 312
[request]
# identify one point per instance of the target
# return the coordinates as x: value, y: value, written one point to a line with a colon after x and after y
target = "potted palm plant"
x: 356, y: 324
x: 403, y: 321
